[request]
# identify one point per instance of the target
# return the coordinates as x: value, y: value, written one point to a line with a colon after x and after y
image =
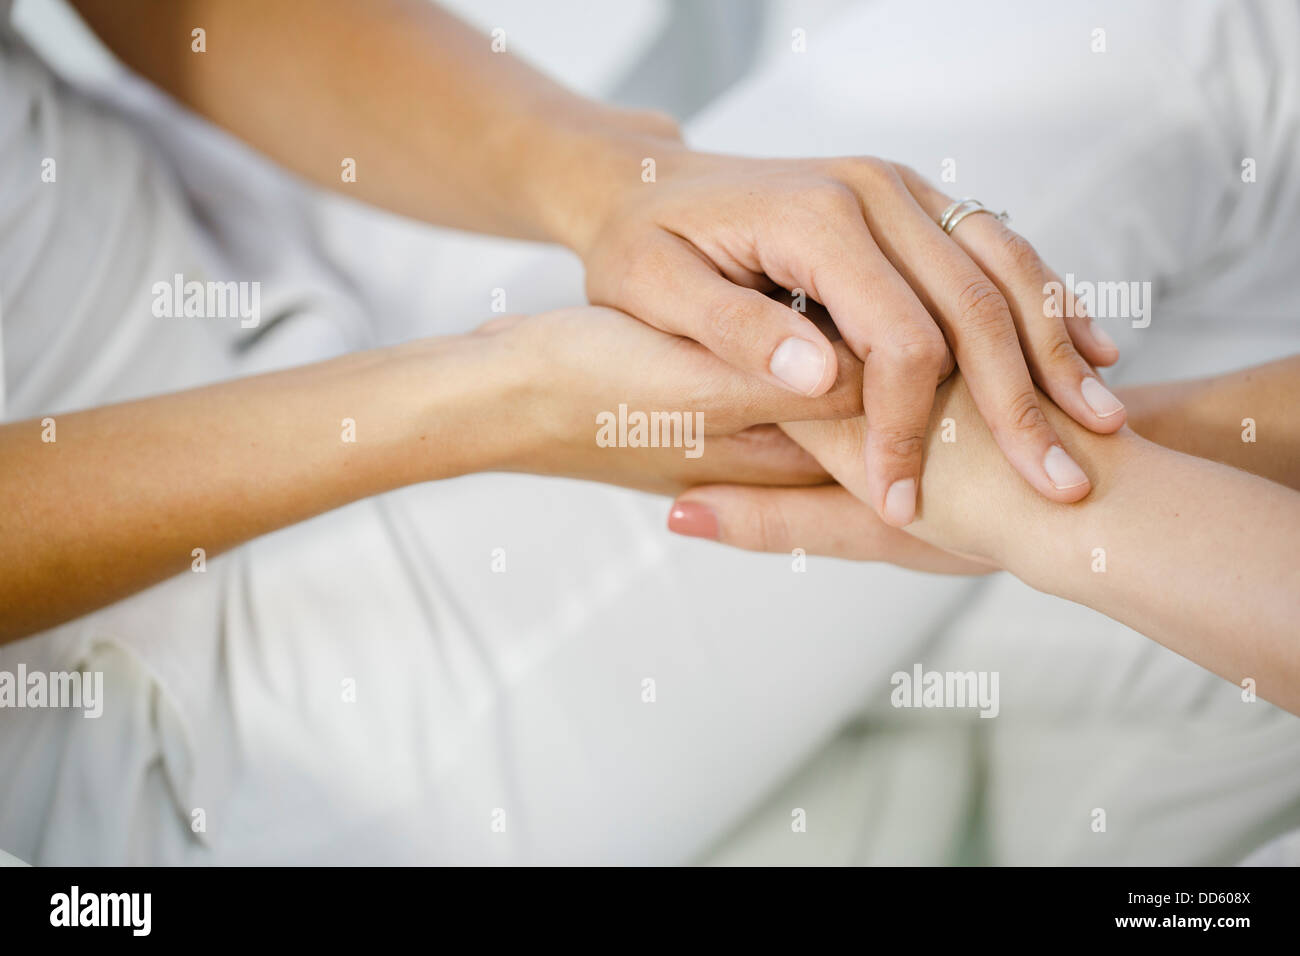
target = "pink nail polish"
x: 694, y: 520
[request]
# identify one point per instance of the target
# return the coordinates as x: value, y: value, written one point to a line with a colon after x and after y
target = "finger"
x: 762, y: 455
x: 754, y: 401
x: 825, y: 248
x: 1089, y: 337
x: 1037, y: 302
x: 838, y: 446
x: 904, y: 353
x: 821, y: 318
x: 978, y: 324
x: 759, y: 456
x: 674, y: 288
x: 825, y: 520
x: 897, y: 416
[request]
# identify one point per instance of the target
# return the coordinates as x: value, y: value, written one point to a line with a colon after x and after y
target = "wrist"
x: 1159, y: 412
x: 589, y: 167
x: 460, y: 397
x: 1057, y: 548
x: 974, y: 503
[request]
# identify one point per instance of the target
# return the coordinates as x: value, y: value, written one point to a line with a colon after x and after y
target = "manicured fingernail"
x: 693, y: 520
x: 1100, y: 337
x: 900, y: 502
x: 1100, y: 399
x: 799, y: 364
x: 1063, y: 471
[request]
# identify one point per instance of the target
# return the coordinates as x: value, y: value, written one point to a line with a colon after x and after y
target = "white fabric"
x: 1119, y: 166
x: 522, y: 691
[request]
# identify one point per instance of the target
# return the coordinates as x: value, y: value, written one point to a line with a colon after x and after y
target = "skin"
x: 1201, y: 555
x: 1203, y: 417
x: 444, y: 130
x: 126, y: 492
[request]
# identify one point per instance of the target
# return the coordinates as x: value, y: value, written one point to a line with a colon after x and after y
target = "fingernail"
x: 1100, y: 337
x: 799, y: 364
x: 900, y: 502
x: 1063, y: 471
x: 1100, y: 399
x: 693, y: 520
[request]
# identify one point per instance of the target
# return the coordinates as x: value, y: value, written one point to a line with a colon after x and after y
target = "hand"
x: 831, y: 520
x: 823, y: 520
x: 693, y: 252
x: 574, y: 368
x: 970, y: 508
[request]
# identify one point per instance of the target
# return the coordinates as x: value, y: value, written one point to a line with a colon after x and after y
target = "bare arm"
x: 1249, y: 419
x: 441, y: 127
x: 1197, y: 555
x: 124, y: 493
x: 444, y: 129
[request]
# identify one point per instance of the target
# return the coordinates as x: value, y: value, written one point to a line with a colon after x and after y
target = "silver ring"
x: 962, y: 208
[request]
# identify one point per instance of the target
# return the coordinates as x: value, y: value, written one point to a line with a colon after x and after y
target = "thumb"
x: 821, y: 520
x: 824, y: 520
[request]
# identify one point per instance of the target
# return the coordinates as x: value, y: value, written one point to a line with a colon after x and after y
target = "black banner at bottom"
x: 333, y: 906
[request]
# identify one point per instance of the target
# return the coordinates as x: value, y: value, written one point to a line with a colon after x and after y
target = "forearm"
x: 441, y: 128
x: 1247, y: 419
x: 124, y: 493
x: 1196, y: 555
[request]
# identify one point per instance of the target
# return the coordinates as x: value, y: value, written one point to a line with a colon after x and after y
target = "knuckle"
x: 907, y: 173
x: 1061, y: 351
x: 920, y: 186
x: 922, y: 349
x: 1020, y: 253
x: 982, y: 308
x: 830, y: 199
x: 860, y: 170
x: 905, y: 444
x: 877, y: 171
x: 732, y: 321
x: 1024, y: 415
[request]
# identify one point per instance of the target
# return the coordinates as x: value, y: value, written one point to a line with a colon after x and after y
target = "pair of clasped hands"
x: 830, y: 408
